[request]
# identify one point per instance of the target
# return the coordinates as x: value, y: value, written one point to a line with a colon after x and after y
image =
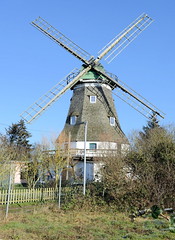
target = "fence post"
x: 9, y: 190
x: 59, y: 194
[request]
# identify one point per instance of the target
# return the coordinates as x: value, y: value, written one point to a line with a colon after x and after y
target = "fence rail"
x: 28, y: 195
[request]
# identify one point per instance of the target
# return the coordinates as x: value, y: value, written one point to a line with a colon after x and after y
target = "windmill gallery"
x: 92, y: 103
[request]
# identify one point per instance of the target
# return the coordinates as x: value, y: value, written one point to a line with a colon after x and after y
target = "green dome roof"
x: 92, y: 74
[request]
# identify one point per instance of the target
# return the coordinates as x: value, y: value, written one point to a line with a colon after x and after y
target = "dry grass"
x: 50, y: 223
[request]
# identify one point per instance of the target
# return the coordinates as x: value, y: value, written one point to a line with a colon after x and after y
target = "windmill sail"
x: 131, y: 97
x: 37, y: 108
x: 122, y: 40
x: 61, y: 39
x: 138, y: 102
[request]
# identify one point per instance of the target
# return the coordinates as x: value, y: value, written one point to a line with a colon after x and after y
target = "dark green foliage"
x: 152, y: 124
x: 155, y: 211
x: 18, y: 135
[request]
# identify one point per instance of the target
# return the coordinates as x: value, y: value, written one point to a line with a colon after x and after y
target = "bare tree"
x: 36, y: 167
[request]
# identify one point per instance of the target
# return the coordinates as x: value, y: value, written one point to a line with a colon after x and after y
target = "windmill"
x: 92, y: 87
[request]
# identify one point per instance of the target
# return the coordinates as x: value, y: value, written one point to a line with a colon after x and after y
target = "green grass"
x: 47, y: 222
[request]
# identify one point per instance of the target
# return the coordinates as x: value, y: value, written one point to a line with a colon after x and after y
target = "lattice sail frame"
x: 137, y: 101
x: 61, y: 39
x: 131, y: 97
x: 123, y: 39
x: 38, y: 107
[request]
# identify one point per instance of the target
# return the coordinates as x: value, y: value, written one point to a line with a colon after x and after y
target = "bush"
x: 145, y: 176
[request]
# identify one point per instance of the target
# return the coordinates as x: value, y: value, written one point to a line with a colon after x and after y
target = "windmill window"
x: 92, y: 146
x: 92, y: 99
x: 73, y: 120
x: 112, y: 121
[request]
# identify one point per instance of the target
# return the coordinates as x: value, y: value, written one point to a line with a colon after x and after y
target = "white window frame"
x: 92, y: 144
x: 93, y: 99
x: 112, y: 121
x: 73, y: 120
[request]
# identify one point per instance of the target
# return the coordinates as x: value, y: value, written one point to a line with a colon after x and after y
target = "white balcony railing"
x: 93, y: 152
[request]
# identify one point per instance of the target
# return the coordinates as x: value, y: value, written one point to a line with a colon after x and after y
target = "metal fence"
x: 28, y: 195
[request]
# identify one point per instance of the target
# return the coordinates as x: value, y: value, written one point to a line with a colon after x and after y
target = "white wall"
x: 100, y: 145
x: 17, y: 173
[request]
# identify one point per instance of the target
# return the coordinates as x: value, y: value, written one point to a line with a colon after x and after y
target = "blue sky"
x: 31, y: 63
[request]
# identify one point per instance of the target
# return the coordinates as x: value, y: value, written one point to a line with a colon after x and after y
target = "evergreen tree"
x: 17, y: 135
x: 151, y: 124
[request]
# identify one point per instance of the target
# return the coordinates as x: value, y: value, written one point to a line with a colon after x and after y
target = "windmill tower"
x: 92, y: 100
